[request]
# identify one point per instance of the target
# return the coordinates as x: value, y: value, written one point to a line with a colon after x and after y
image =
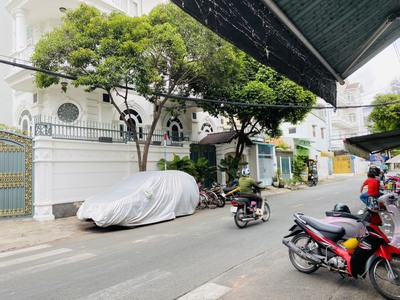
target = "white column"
x: 43, y: 183
x: 20, y: 29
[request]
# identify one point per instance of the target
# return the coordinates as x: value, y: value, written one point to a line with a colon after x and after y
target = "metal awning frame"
x: 284, y: 19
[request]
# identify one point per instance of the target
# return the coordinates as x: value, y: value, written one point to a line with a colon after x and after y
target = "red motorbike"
x: 313, y: 244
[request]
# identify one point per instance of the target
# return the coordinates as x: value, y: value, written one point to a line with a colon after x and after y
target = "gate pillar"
x: 44, y: 179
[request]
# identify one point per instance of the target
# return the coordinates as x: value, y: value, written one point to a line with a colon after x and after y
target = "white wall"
x: 304, y: 130
x: 70, y: 171
x: 5, y: 50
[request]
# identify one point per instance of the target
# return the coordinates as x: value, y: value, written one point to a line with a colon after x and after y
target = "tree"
x: 299, y: 165
x: 156, y: 55
x: 200, y: 169
x: 254, y: 84
x: 385, y: 117
x: 231, y: 165
x: 184, y: 164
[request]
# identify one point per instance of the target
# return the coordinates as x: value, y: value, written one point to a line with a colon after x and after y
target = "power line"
x: 219, y: 101
x: 238, y: 103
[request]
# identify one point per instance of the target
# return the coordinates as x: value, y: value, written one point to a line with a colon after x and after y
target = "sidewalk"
x: 25, y: 232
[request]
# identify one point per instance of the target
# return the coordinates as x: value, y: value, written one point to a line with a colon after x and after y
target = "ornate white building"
x: 80, y: 142
x: 348, y: 122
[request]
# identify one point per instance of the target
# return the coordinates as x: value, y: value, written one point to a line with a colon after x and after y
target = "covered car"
x: 143, y: 198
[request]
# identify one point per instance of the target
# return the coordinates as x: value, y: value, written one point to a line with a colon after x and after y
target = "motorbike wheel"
x: 267, y: 212
x: 212, y: 199
x: 221, y: 201
x: 383, y: 281
x: 239, y: 217
x: 310, y: 183
x: 305, y: 243
x: 202, y: 202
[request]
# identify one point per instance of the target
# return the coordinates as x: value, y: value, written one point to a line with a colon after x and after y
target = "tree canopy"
x: 385, y: 117
x: 165, y: 53
x: 256, y: 85
x: 160, y: 54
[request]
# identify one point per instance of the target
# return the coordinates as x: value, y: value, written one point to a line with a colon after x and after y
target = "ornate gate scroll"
x: 15, y: 175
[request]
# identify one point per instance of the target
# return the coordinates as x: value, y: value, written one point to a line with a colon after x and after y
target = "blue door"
x: 265, y: 163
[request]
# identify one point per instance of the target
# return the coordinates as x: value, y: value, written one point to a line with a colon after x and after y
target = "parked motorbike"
x: 244, y: 210
x: 312, y: 179
x: 391, y: 205
x: 216, y: 188
x: 315, y: 244
x: 231, y: 192
x: 391, y: 180
x: 207, y: 198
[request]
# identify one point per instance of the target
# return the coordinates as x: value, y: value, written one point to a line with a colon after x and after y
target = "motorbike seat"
x: 317, y: 224
x: 243, y: 200
x: 342, y: 214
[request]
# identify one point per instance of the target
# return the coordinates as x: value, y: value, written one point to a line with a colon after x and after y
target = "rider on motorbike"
x: 373, y: 187
x: 246, y: 183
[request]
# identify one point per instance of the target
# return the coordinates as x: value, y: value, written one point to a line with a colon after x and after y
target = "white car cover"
x: 143, y: 198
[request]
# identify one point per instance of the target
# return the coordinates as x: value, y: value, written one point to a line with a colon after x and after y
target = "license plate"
x: 233, y: 209
x: 223, y: 194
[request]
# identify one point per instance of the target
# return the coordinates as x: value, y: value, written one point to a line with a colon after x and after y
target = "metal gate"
x: 207, y: 151
x: 341, y: 164
x: 15, y: 175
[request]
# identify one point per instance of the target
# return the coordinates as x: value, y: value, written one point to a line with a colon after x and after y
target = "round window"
x: 68, y: 112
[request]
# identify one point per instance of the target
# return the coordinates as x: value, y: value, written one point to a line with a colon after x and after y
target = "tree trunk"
x: 156, y: 116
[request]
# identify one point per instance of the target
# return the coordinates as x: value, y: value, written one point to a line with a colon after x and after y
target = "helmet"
x: 246, y: 171
x: 341, y: 207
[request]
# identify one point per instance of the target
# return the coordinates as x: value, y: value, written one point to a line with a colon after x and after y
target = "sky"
x: 377, y: 74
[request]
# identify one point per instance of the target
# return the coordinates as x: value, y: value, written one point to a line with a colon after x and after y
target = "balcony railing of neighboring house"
x: 97, y: 132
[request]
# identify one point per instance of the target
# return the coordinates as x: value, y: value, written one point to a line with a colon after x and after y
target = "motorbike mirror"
x: 365, y: 216
x: 375, y: 218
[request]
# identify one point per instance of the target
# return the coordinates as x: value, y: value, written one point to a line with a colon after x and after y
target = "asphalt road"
x: 203, y: 256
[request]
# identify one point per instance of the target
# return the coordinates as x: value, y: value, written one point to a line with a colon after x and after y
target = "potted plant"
x: 278, y: 182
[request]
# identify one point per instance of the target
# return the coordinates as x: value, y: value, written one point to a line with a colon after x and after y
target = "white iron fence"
x: 95, y: 131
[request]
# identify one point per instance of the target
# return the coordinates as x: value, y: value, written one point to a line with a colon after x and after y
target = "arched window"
x: 352, y: 117
x: 175, y: 129
x: 131, y: 116
x: 25, y: 122
x: 206, y: 127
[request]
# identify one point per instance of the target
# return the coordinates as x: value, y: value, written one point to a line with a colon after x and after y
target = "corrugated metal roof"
x: 312, y: 42
x: 221, y: 138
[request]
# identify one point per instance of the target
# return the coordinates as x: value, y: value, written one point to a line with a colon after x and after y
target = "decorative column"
x: 20, y: 29
x: 43, y: 182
